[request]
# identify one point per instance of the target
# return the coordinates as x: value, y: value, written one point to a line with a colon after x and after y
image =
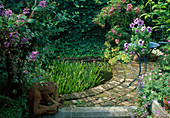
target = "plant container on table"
x: 165, y: 101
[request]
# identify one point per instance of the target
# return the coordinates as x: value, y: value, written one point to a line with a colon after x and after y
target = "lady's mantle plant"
x: 140, y: 39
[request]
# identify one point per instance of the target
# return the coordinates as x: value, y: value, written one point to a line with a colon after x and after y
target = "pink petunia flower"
x: 136, y: 21
x: 140, y: 42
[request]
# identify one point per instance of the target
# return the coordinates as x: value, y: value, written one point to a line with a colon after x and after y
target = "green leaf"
x: 167, y: 21
x: 155, y: 6
x: 155, y: 20
x: 30, y: 20
x: 37, y: 8
x: 164, y: 7
x: 156, y: 27
x: 168, y: 30
x: 24, y: 17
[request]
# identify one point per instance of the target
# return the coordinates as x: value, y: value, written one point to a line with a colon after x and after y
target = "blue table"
x: 152, y: 45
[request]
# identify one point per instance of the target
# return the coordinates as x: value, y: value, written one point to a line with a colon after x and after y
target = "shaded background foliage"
x: 74, y: 34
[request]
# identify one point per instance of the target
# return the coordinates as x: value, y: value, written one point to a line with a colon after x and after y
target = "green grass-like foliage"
x: 77, y: 76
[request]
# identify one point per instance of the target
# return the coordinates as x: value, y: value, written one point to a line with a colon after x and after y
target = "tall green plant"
x: 159, y: 15
x: 73, y: 77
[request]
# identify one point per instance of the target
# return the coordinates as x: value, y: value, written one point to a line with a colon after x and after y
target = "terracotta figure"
x: 40, y: 95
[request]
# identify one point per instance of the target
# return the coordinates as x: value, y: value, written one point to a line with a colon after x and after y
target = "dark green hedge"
x: 81, y: 37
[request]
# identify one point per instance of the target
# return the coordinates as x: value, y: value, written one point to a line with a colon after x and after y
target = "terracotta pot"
x: 167, y: 107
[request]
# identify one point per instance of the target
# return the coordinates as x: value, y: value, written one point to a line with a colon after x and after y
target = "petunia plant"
x: 140, y: 38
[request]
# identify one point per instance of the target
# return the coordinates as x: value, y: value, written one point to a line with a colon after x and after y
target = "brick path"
x: 112, y: 93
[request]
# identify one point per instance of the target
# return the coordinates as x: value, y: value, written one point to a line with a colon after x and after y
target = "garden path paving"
x: 113, y: 92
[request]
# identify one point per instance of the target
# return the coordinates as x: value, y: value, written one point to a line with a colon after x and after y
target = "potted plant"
x: 140, y: 39
x: 166, y: 101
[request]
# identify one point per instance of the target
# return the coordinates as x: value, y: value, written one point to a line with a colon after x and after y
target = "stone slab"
x: 91, y: 112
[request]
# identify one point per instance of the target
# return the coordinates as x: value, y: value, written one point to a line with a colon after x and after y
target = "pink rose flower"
x: 129, y: 7
x: 113, y: 31
x: 111, y: 10
x: 117, y: 41
x: 137, y: 9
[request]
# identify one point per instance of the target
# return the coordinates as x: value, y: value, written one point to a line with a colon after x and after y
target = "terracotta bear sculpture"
x: 40, y: 95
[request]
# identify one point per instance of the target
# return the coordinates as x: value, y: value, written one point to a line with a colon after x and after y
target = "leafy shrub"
x: 158, y: 17
x: 13, y: 108
x: 60, y: 23
x: 81, y: 37
x: 116, y: 16
x: 15, y: 43
x: 164, y: 59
